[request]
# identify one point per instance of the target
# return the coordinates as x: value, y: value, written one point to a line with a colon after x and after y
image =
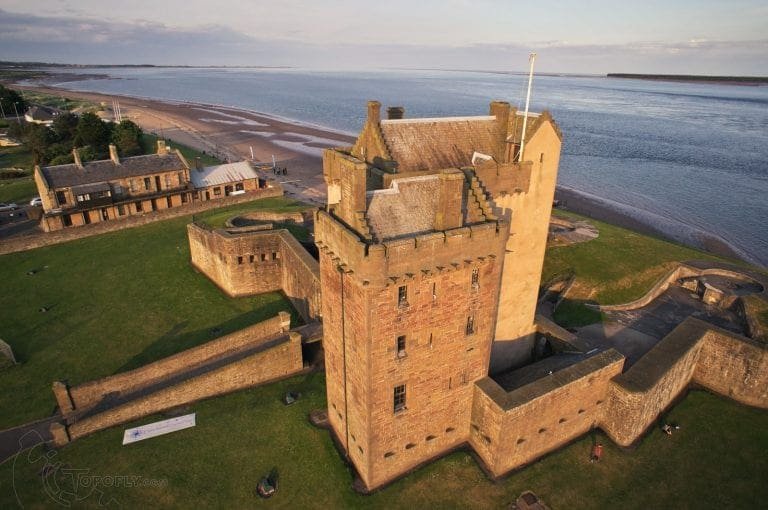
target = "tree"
x: 65, y: 127
x: 9, y: 97
x: 127, y: 137
x: 38, y: 137
x: 91, y: 130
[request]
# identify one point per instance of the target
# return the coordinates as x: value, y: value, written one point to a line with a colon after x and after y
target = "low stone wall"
x: 246, y: 261
x: 89, y: 395
x: 281, y: 359
x: 298, y: 217
x: 681, y: 271
x: 637, y: 398
x: 511, y: 429
x: 28, y: 242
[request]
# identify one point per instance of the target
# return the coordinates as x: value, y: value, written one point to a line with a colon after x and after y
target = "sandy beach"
x: 231, y: 133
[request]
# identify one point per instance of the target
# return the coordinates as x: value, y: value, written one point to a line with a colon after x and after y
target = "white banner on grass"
x: 158, y: 428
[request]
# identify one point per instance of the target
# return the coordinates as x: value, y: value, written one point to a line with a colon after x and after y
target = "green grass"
x: 717, y: 460
x: 217, y: 218
x: 116, y: 301
x: 19, y: 190
x: 16, y: 157
x: 617, y: 267
x: 60, y: 102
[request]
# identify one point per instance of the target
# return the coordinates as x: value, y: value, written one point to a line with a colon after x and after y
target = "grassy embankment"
x: 124, y: 299
x: 617, y: 267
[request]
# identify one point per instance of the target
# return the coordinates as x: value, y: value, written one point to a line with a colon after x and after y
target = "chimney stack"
x: 395, y: 112
x: 113, y: 154
x: 161, y: 147
x: 76, y: 155
x: 374, y: 112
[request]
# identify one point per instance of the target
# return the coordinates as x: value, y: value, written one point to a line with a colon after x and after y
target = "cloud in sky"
x: 71, y: 37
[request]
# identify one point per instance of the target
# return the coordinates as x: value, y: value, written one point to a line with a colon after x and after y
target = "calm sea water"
x: 685, y: 157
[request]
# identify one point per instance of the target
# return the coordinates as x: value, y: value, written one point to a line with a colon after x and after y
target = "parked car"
x: 8, y: 207
x: 36, y: 202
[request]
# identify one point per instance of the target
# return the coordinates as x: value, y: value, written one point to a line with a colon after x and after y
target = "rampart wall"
x: 28, y: 242
x: 511, y: 429
x: 88, y: 395
x: 254, y: 355
x: 246, y: 261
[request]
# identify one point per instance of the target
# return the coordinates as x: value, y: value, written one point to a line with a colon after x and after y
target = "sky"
x: 589, y: 36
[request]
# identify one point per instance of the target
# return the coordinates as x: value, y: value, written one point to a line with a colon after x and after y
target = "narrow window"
x: 399, y: 398
x: 168, y: 201
x: 401, y: 346
x: 67, y: 220
x: 133, y: 186
x: 475, y: 279
x: 184, y: 198
x: 434, y: 291
x: 239, y: 260
x: 409, y: 446
x: 470, y: 325
x: 389, y: 454
x: 61, y: 197
x: 139, y: 207
x: 402, y: 295
x: 157, y: 182
x: 274, y: 255
x: 431, y: 438
x: 263, y: 257
x: 180, y: 177
x: 121, y: 210
x: 147, y: 184
x: 217, y: 191
x: 251, y: 258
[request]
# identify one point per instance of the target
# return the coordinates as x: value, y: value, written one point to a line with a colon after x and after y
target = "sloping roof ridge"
x: 438, y: 119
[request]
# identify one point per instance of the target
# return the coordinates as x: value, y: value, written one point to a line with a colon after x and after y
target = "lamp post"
x: 17, y: 112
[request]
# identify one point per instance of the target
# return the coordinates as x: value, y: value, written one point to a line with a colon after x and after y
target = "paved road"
x: 14, y: 440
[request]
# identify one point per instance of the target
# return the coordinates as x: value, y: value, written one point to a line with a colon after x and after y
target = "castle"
x: 430, y: 255
x: 431, y: 249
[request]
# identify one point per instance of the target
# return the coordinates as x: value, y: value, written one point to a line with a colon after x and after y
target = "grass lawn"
x: 116, y: 301
x: 617, y: 267
x: 717, y: 460
x: 19, y: 190
x: 16, y: 157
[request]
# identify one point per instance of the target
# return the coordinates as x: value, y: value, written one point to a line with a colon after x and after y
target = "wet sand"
x: 231, y: 133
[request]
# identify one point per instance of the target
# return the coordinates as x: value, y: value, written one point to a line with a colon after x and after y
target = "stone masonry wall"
x: 247, y: 261
x: 511, y: 429
x: 281, y: 359
x: 90, y: 394
x: 29, y: 242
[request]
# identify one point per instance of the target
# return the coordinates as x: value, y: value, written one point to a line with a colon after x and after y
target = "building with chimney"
x: 431, y: 250
x: 86, y: 193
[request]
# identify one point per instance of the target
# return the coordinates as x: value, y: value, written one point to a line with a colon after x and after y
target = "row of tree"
x: 53, y: 145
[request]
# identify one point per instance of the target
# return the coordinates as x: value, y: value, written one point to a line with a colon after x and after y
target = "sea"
x: 687, y: 158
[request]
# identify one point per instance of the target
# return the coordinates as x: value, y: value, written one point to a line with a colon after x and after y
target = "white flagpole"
x: 532, y: 59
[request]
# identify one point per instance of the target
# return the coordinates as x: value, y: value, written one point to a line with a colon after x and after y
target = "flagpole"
x: 532, y: 59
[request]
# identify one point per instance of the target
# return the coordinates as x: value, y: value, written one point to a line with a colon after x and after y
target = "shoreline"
x: 230, y: 132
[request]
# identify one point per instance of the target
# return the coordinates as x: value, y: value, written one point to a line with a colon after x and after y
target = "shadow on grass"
x: 574, y: 313
x: 176, y: 340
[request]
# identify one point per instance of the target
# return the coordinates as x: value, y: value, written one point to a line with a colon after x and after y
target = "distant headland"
x: 693, y: 78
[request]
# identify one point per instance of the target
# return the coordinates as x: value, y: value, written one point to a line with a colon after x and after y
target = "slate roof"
x: 222, y: 174
x: 66, y: 176
x: 408, y: 207
x: 449, y: 142
x: 41, y: 113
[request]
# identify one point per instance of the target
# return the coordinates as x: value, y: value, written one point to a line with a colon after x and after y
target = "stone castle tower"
x: 431, y: 250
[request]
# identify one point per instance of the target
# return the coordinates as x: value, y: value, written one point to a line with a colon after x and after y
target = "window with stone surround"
x: 402, y: 295
x: 399, y: 398
x: 475, y: 279
x: 401, y: 346
x: 470, y: 325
